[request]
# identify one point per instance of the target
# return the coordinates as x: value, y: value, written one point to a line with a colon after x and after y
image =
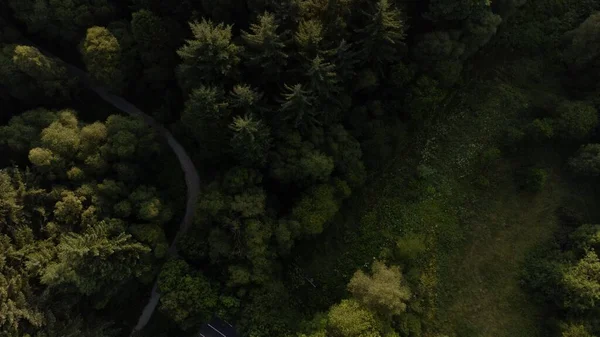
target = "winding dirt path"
x: 192, y: 178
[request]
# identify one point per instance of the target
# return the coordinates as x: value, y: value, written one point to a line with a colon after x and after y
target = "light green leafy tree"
x: 582, y: 283
x: 575, y: 330
x: 384, y: 292
x: 44, y: 71
x: 62, y: 136
x: 23, y: 131
x: 69, y: 209
x: 187, y: 296
x: 102, y: 56
x: 351, y: 319
x: 316, y: 208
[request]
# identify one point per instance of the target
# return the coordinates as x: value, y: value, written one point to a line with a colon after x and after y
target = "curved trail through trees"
x: 192, y: 178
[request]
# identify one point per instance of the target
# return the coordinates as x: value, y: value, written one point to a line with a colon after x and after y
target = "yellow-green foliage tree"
x: 101, y: 53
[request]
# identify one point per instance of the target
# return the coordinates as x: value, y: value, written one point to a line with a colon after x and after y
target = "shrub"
x: 410, y: 247
x: 534, y: 180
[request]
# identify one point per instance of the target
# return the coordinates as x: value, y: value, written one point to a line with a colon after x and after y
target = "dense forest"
x: 367, y: 168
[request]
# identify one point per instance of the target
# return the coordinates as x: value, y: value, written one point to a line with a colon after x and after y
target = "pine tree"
x: 17, y: 307
x: 265, y: 47
x: 345, y: 59
x: 205, y: 118
x: 209, y: 57
x: 245, y: 99
x: 96, y: 260
x: 205, y: 107
x: 10, y: 206
x: 309, y: 38
x: 250, y: 140
x: 382, y: 35
x: 298, y: 106
x: 334, y: 14
x: 323, y: 81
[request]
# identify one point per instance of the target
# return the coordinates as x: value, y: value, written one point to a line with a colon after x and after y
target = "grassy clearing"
x: 480, y: 294
x: 475, y: 224
x: 450, y: 188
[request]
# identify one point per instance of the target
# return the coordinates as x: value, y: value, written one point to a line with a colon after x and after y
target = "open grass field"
x: 452, y: 190
x: 480, y: 292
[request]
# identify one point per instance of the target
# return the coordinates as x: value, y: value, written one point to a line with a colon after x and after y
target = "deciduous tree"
x: 587, y: 160
x: 351, y: 319
x: 187, y: 296
x: 46, y: 72
x: 383, y: 292
x: 102, y: 56
x: 575, y: 120
x: 582, y: 283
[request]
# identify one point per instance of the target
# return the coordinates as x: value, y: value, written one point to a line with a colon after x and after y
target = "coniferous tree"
x: 345, y: 60
x: 382, y: 34
x: 17, y: 300
x: 209, y: 57
x: 245, y: 99
x: 250, y: 140
x: 309, y: 38
x: 323, y: 81
x: 334, y: 14
x: 265, y: 47
x: 95, y: 260
x: 298, y: 107
x: 205, y: 117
